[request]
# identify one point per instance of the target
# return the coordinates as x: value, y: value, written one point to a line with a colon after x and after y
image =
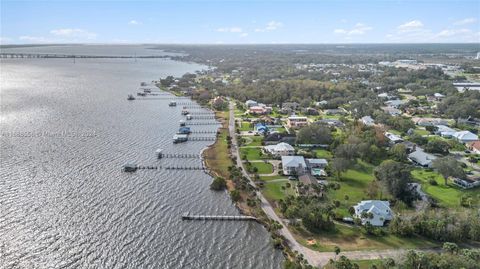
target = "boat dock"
x: 133, y: 168
x: 203, y: 123
x: 187, y: 216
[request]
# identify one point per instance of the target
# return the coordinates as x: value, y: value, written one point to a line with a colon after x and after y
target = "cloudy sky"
x: 246, y: 22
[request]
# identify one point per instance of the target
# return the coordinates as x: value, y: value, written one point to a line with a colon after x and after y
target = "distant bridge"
x: 72, y: 56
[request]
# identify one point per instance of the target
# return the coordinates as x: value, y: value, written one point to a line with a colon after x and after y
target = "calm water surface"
x: 66, y: 130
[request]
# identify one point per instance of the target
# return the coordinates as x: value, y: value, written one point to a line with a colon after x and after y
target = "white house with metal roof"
x: 293, y: 165
x: 421, y: 158
x: 280, y: 149
x: 378, y: 210
x: 465, y: 136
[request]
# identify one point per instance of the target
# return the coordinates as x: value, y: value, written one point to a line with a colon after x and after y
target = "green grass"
x: 217, y: 155
x: 447, y: 196
x: 354, y: 182
x: 263, y: 168
x: 352, y: 238
x: 421, y: 132
x: 252, y: 153
x: 246, y: 126
x: 323, y: 153
x: 396, y: 132
x: 255, y: 140
x: 268, y: 178
x: 273, y: 191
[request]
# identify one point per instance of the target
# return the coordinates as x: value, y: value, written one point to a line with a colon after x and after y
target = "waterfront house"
x: 280, y: 149
x: 378, y: 210
x: 293, y: 165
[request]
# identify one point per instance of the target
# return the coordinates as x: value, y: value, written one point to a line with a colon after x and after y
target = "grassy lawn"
x: 268, y: 178
x: 421, y: 132
x: 216, y: 156
x: 246, y: 126
x: 253, y: 140
x: 352, y: 238
x: 353, y: 183
x: 273, y: 190
x: 263, y: 168
x: 252, y: 153
x: 447, y: 196
x: 323, y: 153
x: 393, y: 131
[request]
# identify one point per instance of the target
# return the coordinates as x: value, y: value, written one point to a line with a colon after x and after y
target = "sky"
x: 240, y: 22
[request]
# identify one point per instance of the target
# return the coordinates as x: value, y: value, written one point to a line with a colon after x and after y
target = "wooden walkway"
x: 187, y: 216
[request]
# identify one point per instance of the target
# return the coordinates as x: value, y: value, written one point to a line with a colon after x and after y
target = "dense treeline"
x: 440, y: 225
x: 451, y: 257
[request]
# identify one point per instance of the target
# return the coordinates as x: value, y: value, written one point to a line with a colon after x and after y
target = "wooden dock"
x: 187, y: 216
x: 134, y: 168
x: 202, y: 123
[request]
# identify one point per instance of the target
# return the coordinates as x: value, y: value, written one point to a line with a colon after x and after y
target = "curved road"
x: 315, y: 258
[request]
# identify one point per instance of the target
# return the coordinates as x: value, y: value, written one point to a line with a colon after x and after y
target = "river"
x: 66, y: 130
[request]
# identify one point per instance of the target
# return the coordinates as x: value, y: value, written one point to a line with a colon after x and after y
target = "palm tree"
x: 337, y: 251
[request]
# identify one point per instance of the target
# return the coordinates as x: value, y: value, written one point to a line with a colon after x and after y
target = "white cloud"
x: 465, y: 21
x: 73, y: 33
x: 453, y: 32
x: 35, y: 39
x: 340, y: 31
x: 358, y: 29
x: 243, y: 34
x: 230, y: 30
x: 271, y: 26
x: 410, y: 26
x: 134, y: 22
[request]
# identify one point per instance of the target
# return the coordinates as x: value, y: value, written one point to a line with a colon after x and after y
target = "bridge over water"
x: 81, y: 56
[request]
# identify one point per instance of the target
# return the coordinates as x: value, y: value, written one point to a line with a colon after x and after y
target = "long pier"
x: 187, y: 216
x: 70, y: 56
x: 202, y: 123
x: 134, y: 168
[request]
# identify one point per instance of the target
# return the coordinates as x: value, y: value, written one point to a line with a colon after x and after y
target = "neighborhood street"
x: 315, y: 258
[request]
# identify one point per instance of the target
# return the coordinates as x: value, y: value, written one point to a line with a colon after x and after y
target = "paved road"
x: 315, y: 258
x: 267, y: 208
